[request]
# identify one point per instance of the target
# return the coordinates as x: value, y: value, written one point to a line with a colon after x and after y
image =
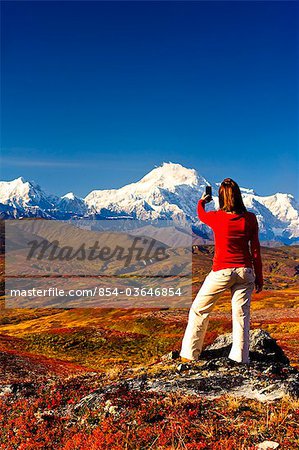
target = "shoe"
x: 186, y: 360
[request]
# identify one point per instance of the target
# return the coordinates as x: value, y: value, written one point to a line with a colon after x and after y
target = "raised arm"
x: 256, y: 256
x: 203, y: 215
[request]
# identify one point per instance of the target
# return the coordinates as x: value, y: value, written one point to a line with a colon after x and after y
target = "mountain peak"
x: 19, y: 180
x: 69, y: 196
x: 169, y: 175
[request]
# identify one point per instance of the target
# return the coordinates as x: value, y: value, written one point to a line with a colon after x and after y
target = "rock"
x: 274, y: 369
x: 92, y: 400
x: 4, y: 390
x: 26, y: 389
x: 174, y: 354
x: 262, y: 348
x: 268, y: 377
x: 223, y: 362
x: 267, y: 445
x: 292, y: 387
x: 182, y: 367
x: 110, y: 408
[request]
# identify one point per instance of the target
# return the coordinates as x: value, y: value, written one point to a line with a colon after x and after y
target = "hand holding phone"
x: 207, y: 195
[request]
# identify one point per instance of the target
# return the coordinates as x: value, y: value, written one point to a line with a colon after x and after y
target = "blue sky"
x: 95, y: 94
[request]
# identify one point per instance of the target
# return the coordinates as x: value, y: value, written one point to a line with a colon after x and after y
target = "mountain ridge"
x: 170, y: 191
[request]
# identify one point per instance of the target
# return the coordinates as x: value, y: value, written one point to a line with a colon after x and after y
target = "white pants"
x: 240, y: 280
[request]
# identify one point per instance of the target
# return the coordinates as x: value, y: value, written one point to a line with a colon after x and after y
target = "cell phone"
x: 209, y: 190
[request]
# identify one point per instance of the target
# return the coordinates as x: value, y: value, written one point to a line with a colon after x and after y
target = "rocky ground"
x: 269, y: 375
x: 210, y: 404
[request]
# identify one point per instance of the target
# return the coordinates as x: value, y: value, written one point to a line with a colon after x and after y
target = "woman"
x: 234, y: 228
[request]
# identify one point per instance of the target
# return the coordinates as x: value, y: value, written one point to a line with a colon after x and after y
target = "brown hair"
x: 230, y: 197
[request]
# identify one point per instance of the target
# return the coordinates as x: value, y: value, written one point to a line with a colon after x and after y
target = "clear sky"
x: 95, y: 94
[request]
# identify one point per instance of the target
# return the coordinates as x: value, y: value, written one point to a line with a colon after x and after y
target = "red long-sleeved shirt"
x: 232, y: 234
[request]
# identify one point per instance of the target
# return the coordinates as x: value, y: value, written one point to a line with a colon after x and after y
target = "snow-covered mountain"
x: 169, y: 191
x: 71, y: 204
x: 23, y: 198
